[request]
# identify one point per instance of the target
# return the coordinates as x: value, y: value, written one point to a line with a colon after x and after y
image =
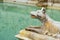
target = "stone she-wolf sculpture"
x: 49, y: 27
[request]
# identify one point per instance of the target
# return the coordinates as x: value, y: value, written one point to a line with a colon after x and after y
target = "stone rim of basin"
x: 21, y: 37
x: 27, y: 35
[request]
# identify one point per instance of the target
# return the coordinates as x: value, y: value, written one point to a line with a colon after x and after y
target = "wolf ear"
x: 43, y: 10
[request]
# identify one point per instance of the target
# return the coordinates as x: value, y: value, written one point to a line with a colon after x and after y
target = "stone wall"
x: 54, y: 1
x: 8, y: 0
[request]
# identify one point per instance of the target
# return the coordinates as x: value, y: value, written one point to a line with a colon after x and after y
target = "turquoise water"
x: 15, y: 17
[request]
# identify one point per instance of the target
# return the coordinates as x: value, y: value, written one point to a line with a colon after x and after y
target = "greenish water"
x: 15, y: 17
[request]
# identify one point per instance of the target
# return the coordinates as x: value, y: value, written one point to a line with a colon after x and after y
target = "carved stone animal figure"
x: 49, y: 25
